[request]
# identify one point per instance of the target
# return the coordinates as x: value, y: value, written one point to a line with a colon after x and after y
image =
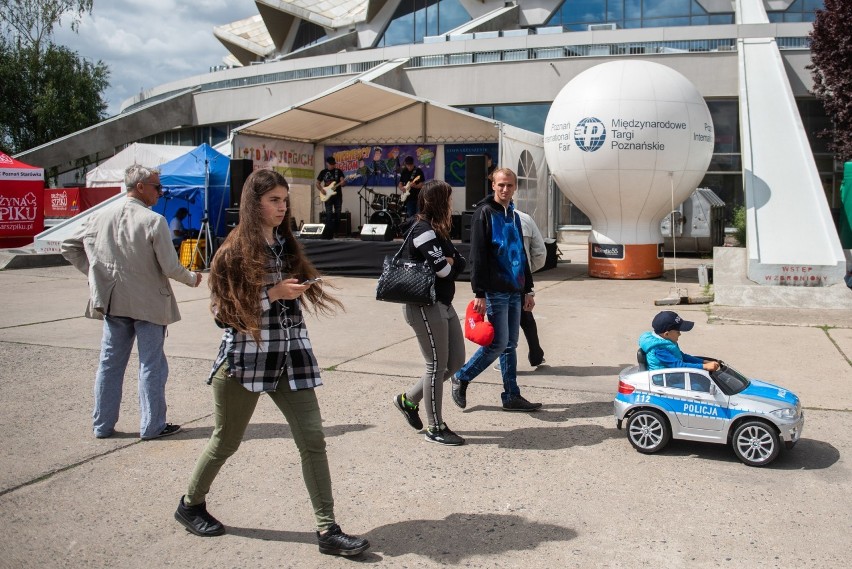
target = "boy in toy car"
x: 661, y: 347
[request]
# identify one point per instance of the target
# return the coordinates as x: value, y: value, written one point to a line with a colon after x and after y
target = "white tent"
x: 359, y: 111
x: 110, y: 172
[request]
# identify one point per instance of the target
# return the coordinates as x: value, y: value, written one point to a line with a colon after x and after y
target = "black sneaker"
x: 443, y: 436
x: 518, y: 403
x: 536, y: 359
x: 411, y: 414
x: 168, y: 430
x: 196, y: 520
x: 335, y: 542
x: 459, y: 391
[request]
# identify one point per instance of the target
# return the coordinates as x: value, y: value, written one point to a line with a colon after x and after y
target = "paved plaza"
x: 558, y: 488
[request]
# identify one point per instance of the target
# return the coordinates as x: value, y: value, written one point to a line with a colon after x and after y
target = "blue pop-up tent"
x: 184, y: 182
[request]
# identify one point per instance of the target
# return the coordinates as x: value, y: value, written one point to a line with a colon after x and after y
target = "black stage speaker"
x: 376, y: 232
x: 455, y: 230
x: 240, y: 170
x: 475, y: 179
x: 466, y: 218
x: 344, y: 227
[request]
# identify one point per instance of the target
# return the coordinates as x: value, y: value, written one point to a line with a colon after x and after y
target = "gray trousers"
x: 441, y: 341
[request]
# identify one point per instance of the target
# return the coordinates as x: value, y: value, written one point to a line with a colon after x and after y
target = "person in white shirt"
x: 537, y: 255
x: 176, y: 227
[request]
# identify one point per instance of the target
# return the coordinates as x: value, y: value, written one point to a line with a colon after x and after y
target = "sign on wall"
x: 379, y: 166
x: 293, y: 160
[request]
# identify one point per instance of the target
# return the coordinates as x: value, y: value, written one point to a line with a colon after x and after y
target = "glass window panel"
x: 725, y: 163
x: 719, y: 19
x: 813, y: 5
x: 729, y: 188
x: 726, y: 125
x: 633, y: 9
x: 666, y: 8
x: 584, y: 11
x: 795, y: 6
x: 793, y: 17
x: 657, y: 379
x: 665, y: 22
x: 698, y: 382
x: 700, y: 20
x: 697, y: 9
x: 614, y: 11
x: 676, y: 380
x: 530, y: 117
x: 451, y: 15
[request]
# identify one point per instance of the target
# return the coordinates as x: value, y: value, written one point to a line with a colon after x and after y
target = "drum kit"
x: 387, y: 209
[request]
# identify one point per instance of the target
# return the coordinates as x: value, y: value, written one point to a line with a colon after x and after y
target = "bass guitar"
x: 406, y: 189
x: 329, y: 190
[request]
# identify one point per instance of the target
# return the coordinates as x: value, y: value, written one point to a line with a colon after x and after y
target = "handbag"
x: 405, y: 280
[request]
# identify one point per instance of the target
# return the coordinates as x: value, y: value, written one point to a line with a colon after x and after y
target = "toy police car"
x: 717, y: 407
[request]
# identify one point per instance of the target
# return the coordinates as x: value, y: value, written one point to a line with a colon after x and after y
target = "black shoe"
x: 536, y: 359
x: 169, y: 429
x: 196, y: 520
x: 335, y: 542
x: 518, y: 403
x: 443, y: 436
x: 411, y: 414
x: 459, y: 392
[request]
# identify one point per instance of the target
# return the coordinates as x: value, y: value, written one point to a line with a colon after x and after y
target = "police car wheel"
x: 648, y: 431
x: 756, y: 443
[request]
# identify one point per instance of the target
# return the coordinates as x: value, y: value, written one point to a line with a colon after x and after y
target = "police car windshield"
x: 730, y: 381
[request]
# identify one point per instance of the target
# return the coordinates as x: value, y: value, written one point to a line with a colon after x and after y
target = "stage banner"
x: 379, y: 166
x: 454, y: 163
x: 61, y: 202
x: 294, y: 160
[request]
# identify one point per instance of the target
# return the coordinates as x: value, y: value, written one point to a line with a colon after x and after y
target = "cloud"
x: 151, y: 42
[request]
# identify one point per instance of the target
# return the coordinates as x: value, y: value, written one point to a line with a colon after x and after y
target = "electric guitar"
x: 329, y: 190
x: 407, y: 188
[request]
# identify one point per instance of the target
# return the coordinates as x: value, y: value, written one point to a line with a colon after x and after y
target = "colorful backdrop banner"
x: 379, y: 166
x: 294, y: 160
x: 454, y: 165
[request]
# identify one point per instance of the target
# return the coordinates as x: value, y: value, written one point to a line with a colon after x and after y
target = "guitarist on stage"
x: 410, y: 182
x: 329, y: 183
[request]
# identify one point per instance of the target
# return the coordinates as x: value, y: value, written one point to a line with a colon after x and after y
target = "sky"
x: 146, y: 43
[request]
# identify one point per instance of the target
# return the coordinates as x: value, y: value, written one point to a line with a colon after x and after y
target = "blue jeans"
x: 504, y: 312
x: 116, y: 344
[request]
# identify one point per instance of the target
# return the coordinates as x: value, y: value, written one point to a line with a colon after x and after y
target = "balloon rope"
x: 672, y: 229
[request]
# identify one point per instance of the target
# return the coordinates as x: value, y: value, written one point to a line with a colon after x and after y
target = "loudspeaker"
x: 466, y: 218
x: 312, y: 231
x: 240, y: 170
x: 344, y: 226
x: 376, y: 232
x: 475, y: 179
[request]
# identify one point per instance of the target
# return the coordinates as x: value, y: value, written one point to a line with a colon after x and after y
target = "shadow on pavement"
x: 545, y: 438
x: 260, y: 431
x: 808, y: 454
x: 556, y: 413
x: 461, y: 536
x: 576, y: 371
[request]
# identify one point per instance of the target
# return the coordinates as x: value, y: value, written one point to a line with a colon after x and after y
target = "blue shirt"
x: 662, y: 353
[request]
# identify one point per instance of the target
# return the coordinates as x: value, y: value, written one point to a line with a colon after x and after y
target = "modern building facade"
x: 502, y: 60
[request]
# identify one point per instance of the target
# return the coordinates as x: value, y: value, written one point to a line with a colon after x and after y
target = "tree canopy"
x: 831, y: 53
x: 48, y: 91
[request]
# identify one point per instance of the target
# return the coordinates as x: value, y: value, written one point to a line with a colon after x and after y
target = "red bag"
x: 476, y: 328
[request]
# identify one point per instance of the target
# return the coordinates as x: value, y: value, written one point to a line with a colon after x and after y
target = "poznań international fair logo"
x: 589, y: 135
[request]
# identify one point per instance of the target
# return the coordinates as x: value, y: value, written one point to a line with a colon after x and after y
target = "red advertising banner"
x: 21, y: 202
x: 62, y: 202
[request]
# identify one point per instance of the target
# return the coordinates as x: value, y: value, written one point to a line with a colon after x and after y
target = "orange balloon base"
x: 625, y: 261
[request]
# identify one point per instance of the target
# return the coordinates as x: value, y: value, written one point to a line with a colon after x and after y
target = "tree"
x: 48, y: 91
x: 831, y: 53
x: 48, y: 94
x: 32, y: 21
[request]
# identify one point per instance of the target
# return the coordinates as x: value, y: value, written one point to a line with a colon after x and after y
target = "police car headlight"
x: 785, y: 413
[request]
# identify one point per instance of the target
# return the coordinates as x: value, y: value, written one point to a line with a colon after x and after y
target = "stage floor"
x: 356, y: 258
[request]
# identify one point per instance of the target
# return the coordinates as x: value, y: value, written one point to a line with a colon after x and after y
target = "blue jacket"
x: 662, y: 353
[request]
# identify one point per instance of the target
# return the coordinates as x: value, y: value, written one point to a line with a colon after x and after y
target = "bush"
x: 740, y: 225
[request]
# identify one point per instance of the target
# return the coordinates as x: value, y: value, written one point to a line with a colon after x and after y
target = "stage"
x: 356, y: 258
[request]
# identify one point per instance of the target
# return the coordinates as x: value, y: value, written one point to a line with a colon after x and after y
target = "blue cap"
x: 668, y: 320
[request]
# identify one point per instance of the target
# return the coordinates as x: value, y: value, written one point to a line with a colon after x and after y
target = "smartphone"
x: 311, y: 281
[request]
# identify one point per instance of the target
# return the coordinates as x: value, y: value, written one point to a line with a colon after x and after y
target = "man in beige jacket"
x: 127, y: 253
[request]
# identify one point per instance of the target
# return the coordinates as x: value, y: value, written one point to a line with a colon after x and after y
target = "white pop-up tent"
x: 360, y: 112
x: 110, y: 172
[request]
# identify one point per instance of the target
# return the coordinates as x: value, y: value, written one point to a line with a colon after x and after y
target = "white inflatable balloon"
x: 620, y: 138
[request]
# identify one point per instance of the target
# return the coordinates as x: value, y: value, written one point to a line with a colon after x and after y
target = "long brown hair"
x: 435, y: 207
x: 240, y: 265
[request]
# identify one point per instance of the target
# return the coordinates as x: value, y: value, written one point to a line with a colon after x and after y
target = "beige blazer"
x: 126, y: 251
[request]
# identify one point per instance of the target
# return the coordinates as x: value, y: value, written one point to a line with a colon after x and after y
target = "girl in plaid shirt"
x: 257, y: 281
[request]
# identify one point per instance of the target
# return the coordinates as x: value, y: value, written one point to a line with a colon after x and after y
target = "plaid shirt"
x: 284, y: 350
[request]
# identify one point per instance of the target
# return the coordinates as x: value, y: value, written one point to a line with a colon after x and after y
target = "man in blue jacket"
x: 502, y: 284
x: 661, y: 348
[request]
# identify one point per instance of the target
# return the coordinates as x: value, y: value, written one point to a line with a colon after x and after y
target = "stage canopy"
x: 360, y: 112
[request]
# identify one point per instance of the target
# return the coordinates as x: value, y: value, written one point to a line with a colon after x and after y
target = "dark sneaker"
x: 536, y: 359
x: 168, y: 430
x: 443, y: 436
x: 518, y: 403
x: 459, y: 392
x: 196, y: 520
x: 335, y: 542
x: 411, y: 414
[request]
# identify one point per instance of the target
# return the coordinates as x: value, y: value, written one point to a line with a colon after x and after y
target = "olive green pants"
x: 233, y: 406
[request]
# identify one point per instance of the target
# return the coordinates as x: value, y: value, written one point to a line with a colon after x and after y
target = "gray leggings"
x: 441, y: 341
